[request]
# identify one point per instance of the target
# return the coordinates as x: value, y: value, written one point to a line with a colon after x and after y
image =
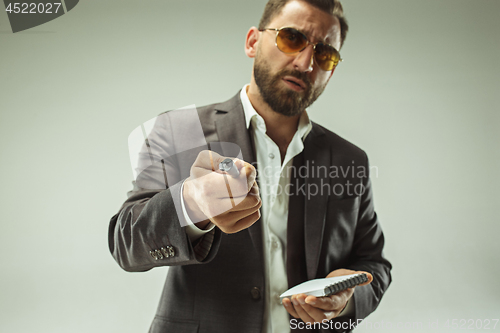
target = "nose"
x: 304, y: 60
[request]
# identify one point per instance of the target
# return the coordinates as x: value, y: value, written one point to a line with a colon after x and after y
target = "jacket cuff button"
x: 159, y: 254
x: 153, y: 254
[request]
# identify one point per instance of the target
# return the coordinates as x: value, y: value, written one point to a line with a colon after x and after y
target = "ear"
x: 251, y: 43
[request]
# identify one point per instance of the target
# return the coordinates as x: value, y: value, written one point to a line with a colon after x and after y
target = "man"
x: 237, y: 242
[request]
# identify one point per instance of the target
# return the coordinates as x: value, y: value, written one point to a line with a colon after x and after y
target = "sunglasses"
x: 290, y: 40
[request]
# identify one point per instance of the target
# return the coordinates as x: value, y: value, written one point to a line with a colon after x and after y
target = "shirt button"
x: 255, y: 293
x: 271, y: 155
x: 275, y: 244
x: 277, y: 298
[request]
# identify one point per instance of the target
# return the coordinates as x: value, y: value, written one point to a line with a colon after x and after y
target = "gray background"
x: 419, y: 91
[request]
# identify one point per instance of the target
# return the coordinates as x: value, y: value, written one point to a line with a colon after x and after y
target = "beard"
x: 281, y: 99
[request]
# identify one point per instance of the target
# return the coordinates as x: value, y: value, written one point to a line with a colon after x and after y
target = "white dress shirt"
x: 273, y: 178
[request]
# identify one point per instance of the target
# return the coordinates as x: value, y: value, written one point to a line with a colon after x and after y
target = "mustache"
x: 297, y: 74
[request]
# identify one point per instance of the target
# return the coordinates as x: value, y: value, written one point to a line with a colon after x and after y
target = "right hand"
x: 207, y: 197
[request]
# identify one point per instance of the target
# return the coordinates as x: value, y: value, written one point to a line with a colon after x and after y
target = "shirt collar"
x: 247, y: 107
x: 303, y: 129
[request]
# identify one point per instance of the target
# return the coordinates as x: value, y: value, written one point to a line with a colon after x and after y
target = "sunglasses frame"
x: 307, y: 43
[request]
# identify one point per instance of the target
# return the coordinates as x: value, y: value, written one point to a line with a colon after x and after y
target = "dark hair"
x: 333, y: 7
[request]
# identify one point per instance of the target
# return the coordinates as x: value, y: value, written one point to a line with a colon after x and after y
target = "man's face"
x: 289, y: 83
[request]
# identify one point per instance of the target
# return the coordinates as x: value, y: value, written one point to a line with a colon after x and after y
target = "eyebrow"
x: 308, y: 35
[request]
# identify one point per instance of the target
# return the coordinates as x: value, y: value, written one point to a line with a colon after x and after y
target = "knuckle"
x: 252, y: 200
x: 259, y: 204
x: 202, y: 155
x: 252, y: 168
x: 255, y: 218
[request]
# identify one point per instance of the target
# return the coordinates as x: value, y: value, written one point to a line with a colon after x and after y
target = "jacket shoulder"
x: 226, y: 106
x: 337, y: 143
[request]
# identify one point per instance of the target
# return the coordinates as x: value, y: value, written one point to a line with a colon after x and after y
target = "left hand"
x: 313, y: 309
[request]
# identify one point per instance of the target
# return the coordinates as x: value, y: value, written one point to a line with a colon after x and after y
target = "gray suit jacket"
x: 225, y: 291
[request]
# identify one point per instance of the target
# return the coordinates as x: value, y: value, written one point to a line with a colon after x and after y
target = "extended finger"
x: 318, y: 314
x: 332, y: 302
x: 287, y: 303
x: 323, y: 303
x: 303, y: 314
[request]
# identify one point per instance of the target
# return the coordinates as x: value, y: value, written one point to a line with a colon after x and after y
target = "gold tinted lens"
x: 290, y: 40
x: 326, y: 56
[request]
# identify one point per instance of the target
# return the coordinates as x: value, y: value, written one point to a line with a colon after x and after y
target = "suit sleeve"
x: 149, y: 229
x: 147, y: 226
x: 367, y: 255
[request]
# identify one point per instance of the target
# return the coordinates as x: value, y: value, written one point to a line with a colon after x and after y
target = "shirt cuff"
x: 193, y: 232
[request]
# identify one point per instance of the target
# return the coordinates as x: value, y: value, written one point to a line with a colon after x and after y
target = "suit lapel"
x: 231, y: 127
x: 316, y: 153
